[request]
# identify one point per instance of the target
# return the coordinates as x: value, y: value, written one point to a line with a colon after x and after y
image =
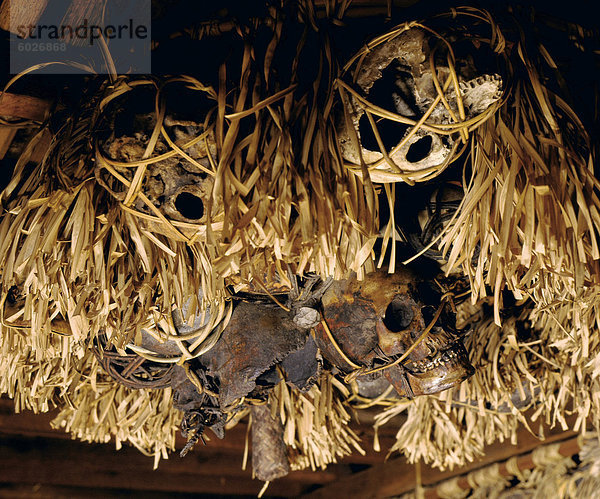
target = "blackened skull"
x: 167, y: 152
x: 376, y: 320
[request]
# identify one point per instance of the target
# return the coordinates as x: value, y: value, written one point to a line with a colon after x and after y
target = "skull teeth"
x: 480, y: 80
x: 448, y: 357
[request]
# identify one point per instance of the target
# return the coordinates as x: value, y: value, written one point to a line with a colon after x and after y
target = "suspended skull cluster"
x: 360, y: 327
x: 404, y: 122
x: 388, y: 329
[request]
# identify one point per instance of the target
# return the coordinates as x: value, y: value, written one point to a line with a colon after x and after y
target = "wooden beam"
x: 39, y: 491
x: 38, y: 425
x: 397, y: 476
x: 27, y: 423
x: 15, y: 13
x: 567, y: 448
x: 219, y: 458
x: 23, y: 106
x: 76, y: 464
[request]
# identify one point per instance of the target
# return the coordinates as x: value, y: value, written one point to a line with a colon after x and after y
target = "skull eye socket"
x: 391, y: 92
x: 419, y: 150
x: 428, y: 295
x: 189, y: 206
x: 398, y: 315
x: 390, y: 133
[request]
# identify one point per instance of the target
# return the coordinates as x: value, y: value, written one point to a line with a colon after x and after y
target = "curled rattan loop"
x: 132, y: 370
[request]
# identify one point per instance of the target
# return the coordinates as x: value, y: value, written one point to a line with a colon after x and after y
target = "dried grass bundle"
x: 93, y: 407
x: 76, y: 264
x: 315, y: 423
x: 87, y: 261
x: 529, y: 219
x: 100, y: 410
x: 90, y: 248
x: 584, y: 481
x: 77, y: 254
x: 36, y: 378
x: 553, y: 475
x: 528, y: 222
x: 288, y: 200
x: 539, y: 377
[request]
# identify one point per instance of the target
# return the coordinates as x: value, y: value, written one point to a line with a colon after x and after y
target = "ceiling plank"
x: 23, y: 106
x: 75, y: 464
x: 397, y: 476
x: 100, y: 457
x: 39, y: 491
x: 31, y: 452
x: 30, y: 424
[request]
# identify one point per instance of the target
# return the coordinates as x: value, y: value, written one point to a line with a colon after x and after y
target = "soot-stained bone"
x: 378, y: 319
x: 258, y: 337
x: 178, y: 187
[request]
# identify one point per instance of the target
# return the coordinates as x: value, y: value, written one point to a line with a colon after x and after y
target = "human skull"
x: 378, y: 319
x: 396, y: 75
x: 437, y: 363
x: 179, y: 188
x: 160, y: 140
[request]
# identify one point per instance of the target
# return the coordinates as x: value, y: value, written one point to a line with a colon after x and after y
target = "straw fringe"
x: 90, y: 255
x: 315, y: 423
x: 533, y: 198
x: 512, y: 377
x: 552, y: 475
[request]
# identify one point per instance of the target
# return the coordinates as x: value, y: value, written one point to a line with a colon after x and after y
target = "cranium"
x: 376, y: 320
x: 180, y: 189
x: 177, y: 187
x: 180, y: 184
x: 396, y: 75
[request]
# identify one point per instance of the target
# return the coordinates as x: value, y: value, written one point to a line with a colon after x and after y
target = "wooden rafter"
x: 397, y: 476
x: 14, y: 13
x: 31, y: 453
x: 23, y: 107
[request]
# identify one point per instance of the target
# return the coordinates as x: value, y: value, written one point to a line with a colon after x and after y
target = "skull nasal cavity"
x: 398, y: 315
x: 419, y: 150
x: 189, y: 206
